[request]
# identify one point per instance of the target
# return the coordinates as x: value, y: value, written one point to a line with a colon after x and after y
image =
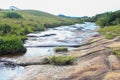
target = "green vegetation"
x: 18, y: 23
x: 111, y: 31
x: 106, y: 19
x: 60, y: 60
x: 12, y: 15
x: 116, y: 52
x: 10, y: 45
x: 109, y: 18
x: 59, y: 49
x: 4, y: 29
x: 110, y: 36
x: 22, y: 22
x: 109, y: 23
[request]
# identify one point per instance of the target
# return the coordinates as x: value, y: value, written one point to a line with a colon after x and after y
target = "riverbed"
x: 43, y: 43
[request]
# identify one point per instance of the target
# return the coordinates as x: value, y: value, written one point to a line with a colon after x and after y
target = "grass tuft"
x: 61, y: 49
x: 60, y: 60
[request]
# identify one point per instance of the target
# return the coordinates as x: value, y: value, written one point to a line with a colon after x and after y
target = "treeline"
x: 106, y: 19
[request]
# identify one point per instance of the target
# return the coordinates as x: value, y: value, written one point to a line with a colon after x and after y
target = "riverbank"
x: 94, y: 62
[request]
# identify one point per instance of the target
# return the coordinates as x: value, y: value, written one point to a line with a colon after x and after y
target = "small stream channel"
x: 43, y: 43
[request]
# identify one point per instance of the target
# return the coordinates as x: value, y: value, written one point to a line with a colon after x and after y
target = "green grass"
x: 61, y: 49
x: 110, y: 31
x: 31, y: 21
x: 110, y: 36
x: 116, y: 52
x: 60, y: 60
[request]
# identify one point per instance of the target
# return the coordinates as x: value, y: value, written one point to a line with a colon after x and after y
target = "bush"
x: 103, y: 21
x: 59, y: 49
x: 4, y: 29
x: 60, y: 60
x: 12, y: 15
x: 11, y: 45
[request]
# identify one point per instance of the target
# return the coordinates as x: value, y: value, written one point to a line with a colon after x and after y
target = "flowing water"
x: 43, y: 43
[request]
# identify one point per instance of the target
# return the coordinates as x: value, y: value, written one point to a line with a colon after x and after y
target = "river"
x: 43, y: 43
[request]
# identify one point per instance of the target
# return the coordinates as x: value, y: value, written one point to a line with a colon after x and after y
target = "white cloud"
x: 67, y: 7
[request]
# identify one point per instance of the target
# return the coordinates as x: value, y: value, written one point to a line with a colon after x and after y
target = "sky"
x: 66, y: 7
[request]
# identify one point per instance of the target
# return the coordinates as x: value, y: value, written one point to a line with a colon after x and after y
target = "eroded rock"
x: 90, y: 71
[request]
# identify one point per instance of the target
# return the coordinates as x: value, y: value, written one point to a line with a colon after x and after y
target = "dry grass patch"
x: 114, y: 45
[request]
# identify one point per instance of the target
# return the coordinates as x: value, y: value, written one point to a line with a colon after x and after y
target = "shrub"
x: 11, y: 45
x: 59, y: 49
x: 60, y: 60
x: 4, y: 29
x: 12, y: 15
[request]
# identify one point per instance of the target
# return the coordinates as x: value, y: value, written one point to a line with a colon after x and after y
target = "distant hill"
x: 62, y: 15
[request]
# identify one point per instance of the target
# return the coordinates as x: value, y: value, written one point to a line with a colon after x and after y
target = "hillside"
x: 32, y: 21
x: 15, y: 24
